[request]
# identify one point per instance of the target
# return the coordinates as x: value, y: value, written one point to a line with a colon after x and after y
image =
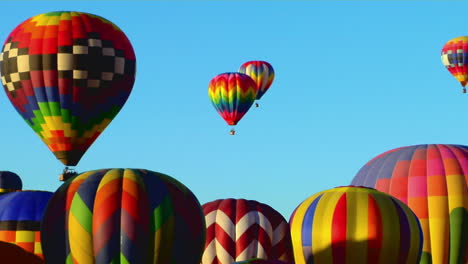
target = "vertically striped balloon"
x: 123, y: 216
x: 239, y: 229
x: 261, y: 72
x: 10, y: 182
x: 455, y: 59
x: 433, y: 181
x: 355, y: 225
x: 232, y: 95
x: 67, y: 74
x: 20, y: 218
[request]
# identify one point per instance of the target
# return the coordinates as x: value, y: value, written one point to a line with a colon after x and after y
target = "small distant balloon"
x: 261, y: 72
x: 455, y: 59
x: 232, y: 95
x: 10, y: 182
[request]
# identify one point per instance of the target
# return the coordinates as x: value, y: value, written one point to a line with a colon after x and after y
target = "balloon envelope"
x: 232, y: 95
x: 239, y: 229
x: 67, y: 74
x: 9, y: 182
x: 455, y: 58
x: 432, y: 181
x: 260, y: 261
x: 261, y: 72
x: 355, y: 225
x: 123, y: 216
x: 20, y: 217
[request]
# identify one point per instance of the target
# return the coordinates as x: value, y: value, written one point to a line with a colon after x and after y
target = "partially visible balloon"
x: 11, y: 253
x: 455, y: 59
x: 20, y: 217
x: 261, y: 72
x: 123, y: 216
x: 433, y: 181
x: 260, y: 261
x: 67, y: 74
x: 355, y: 225
x: 232, y: 95
x: 239, y: 229
x: 10, y: 182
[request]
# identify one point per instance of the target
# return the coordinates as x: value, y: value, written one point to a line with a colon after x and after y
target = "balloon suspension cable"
x: 232, y: 132
x: 464, y: 90
x: 67, y: 173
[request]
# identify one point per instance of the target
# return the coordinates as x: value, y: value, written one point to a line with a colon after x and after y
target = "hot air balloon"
x: 232, y: 95
x: 432, y: 181
x: 123, y: 216
x: 455, y: 59
x: 260, y: 261
x: 239, y: 229
x: 10, y: 182
x: 262, y: 73
x: 20, y: 217
x: 355, y: 225
x: 11, y: 253
x: 67, y: 74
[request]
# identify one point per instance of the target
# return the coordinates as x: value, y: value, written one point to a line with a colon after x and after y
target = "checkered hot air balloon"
x: 10, y: 182
x: 123, y: 216
x: 20, y: 218
x: 433, y: 181
x: 67, y: 74
x: 355, y: 225
x: 262, y: 73
x: 455, y: 59
x: 232, y: 95
x: 239, y: 229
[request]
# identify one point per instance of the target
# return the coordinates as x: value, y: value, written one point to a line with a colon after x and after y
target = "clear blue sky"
x: 353, y: 79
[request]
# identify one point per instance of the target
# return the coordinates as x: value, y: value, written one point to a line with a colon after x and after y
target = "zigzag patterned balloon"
x: 123, y: 216
x: 261, y: 72
x: 67, y: 74
x: 355, y: 225
x: 232, y: 95
x: 238, y: 230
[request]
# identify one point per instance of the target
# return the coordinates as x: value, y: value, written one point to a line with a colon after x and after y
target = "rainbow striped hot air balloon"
x: 232, y: 95
x: 67, y: 74
x: 433, y: 181
x: 262, y: 73
x: 455, y: 59
x: 123, y: 216
x: 355, y: 225
x: 239, y: 229
x: 20, y: 217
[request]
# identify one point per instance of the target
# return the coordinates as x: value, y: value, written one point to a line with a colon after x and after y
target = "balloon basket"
x: 232, y: 132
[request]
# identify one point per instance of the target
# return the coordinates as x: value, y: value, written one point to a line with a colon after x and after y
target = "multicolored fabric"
x: 10, y: 182
x: 67, y: 74
x: 238, y: 230
x: 20, y: 217
x: 261, y: 72
x: 355, y: 225
x: 232, y: 95
x: 123, y: 216
x: 433, y: 181
x: 455, y: 58
x: 260, y: 261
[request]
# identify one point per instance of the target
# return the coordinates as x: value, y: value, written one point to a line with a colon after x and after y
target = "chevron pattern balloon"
x: 455, y: 59
x: 239, y: 229
x: 261, y: 72
x: 433, y: 181
x: 20, y: 218
x: 232, y: 95
x: 67, y: 74
x: 123, y: 216
x: 355, y: 225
